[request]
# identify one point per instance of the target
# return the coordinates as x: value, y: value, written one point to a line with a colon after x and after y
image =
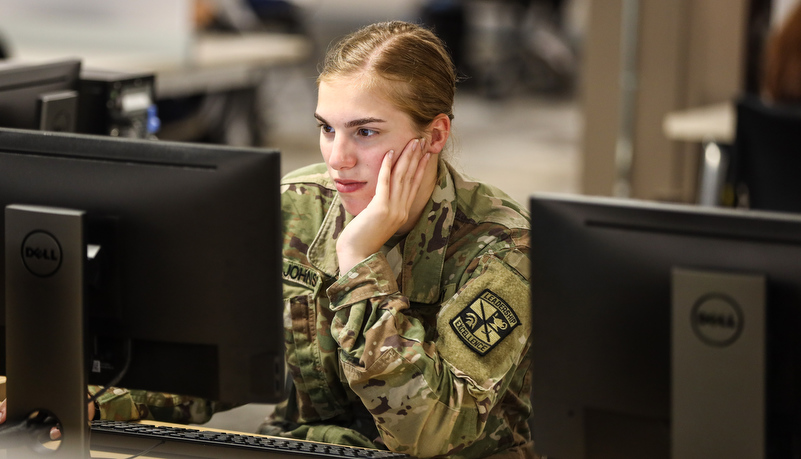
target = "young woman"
x: 410, y: 326
x: 411, y: 329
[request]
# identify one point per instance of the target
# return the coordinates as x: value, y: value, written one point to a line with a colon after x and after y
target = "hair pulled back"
x: 405, y: 61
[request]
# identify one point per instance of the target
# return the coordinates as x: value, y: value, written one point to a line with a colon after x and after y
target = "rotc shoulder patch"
x: 485, y: 322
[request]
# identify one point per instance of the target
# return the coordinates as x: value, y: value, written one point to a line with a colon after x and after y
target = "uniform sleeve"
x: 121, y: 404
x: 431, y: 393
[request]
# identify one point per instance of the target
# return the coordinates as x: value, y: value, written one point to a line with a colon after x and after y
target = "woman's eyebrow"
x: 362, y: 121
x: 353, y: 123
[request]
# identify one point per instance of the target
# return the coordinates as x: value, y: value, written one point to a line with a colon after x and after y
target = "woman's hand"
x: 399, y: 181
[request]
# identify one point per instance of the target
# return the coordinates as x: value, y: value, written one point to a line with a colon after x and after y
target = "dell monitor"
x: 39, y: 95
x: 664, y: 330
x: 152, y: 264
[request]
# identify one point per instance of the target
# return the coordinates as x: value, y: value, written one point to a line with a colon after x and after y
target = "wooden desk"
x: 223, y: 62
x: 231, y: 68
x: 111, y: 455
x: 159, y: 453
x: 700, y: 124
x: 216, y: 62
x: 715, y: 124
x: 164, y: 445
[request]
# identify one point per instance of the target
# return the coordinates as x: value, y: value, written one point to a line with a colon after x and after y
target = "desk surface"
x: 101, y: 454
x: 216, y: 62
x: 111, y: 455
x: 174, y: 442
x: 700, y: 124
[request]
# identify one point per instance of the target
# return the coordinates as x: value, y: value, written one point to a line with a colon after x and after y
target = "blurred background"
x: 517, y: 123
x: 603, y: 97
x: 517, y: 120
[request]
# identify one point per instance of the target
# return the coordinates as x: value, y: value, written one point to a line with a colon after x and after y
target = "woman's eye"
x: 326, y: 128
x: 364, y: 132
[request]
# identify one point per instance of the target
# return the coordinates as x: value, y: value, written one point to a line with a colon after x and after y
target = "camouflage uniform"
x: 421, y: 349
x: 429, y: 358
x: 120, y: 404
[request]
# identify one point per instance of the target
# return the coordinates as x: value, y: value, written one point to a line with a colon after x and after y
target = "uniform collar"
x: 322, y: 251
x: 424, y: 248
x: 426, y: 243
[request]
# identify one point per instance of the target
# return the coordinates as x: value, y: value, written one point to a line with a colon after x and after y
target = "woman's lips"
x: 349, y: 186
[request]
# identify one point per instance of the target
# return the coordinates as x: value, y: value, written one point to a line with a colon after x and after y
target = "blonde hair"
x: 407, y: 62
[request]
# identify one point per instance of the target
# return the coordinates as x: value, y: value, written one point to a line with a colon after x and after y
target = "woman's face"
x: 358, y: 127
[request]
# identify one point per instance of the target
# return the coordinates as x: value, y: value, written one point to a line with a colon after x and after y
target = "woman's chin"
x: 353, y: 208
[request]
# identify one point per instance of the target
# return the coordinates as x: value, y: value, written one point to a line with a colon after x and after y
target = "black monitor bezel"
x: 240, y: 241
x: 601, y: 313
x: 24, y: 83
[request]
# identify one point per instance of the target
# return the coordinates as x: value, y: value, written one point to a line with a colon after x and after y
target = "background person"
x: 782, y: 64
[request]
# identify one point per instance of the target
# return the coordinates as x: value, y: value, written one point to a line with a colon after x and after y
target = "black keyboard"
x: 183, y: 442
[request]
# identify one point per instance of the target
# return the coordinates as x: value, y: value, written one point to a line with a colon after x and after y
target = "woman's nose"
x: 342, y: 155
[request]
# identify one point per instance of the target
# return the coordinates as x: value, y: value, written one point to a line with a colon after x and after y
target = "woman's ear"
x: 440, y: 129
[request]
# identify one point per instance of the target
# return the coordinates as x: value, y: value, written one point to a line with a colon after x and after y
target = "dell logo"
x: 41, y: 253
x: 707, y: 319
x: 717, y: 319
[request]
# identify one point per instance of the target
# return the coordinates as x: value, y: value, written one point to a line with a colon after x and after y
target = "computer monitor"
x: 764, y: 154
x: 663, y: 330
x: 39, y: 95
x: 169, y: 252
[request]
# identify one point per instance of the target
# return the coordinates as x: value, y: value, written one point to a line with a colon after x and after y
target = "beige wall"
x: 689, y: 53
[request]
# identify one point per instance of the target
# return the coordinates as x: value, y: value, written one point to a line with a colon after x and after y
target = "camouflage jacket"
x: 422, y: 348
x: 429, y: 358
x: 122, y: 404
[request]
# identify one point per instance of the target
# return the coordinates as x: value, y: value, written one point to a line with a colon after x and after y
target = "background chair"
x: 766, y: 162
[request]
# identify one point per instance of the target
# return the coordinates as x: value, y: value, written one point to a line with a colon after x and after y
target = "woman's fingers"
x: 384, y: 185
x: 399, y: 179
x: 405, y: 171
x: 416, y: 169
x: 421, y: 168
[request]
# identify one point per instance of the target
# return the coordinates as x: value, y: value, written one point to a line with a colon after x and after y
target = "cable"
x: 116, y: 379
x: 161, y: 442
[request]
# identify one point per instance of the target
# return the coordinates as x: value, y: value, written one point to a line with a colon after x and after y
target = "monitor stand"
x: 45, y: 255
x: 718, y: 368
x: 57, y: 111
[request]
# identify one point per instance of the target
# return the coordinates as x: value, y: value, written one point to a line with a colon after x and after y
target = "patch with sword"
x: 485, y: 322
